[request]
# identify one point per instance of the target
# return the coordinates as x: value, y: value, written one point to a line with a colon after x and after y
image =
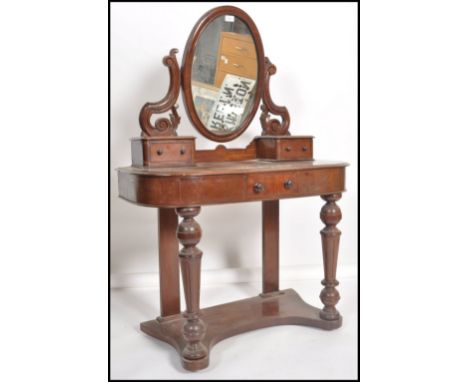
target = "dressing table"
x: 224, y: 76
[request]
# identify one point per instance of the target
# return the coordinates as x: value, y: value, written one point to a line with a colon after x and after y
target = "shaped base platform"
x: 285, y: 307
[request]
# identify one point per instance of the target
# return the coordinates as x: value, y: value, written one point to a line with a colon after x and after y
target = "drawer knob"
x: 288, y: 184
x: 288, y: 148
x: 304, y: 148
x: 258, y: 187
x: 159, y: 152
x: 182, y: 151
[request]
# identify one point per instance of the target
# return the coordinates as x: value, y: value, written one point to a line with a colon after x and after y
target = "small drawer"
x: 156, y: 151
x: 169, y: 152
x: 285, y: 148
x: 295, y: 149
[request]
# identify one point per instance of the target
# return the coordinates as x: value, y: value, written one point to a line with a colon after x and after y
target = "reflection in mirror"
x: 224, y: 74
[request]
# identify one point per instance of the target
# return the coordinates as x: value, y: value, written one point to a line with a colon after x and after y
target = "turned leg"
x: 330, y: 215
x: 168, y: 262
x: 270, y: 245
x: 189, y: 234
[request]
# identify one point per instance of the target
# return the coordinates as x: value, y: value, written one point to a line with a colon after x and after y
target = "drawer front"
x: 160, y: 152
x: 238, y: 47
x: 241, y: 66
x: 295, y: 149
x: 264, y: 186
x: 295, y: 183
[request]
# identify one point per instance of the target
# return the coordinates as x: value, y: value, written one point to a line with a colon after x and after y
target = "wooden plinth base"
x: 222, y: 321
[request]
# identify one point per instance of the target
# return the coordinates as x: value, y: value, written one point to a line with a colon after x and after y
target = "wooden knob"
x: 182, y: 151
x: 258, y: 187
x: 159, y: 152
x: 304, y: 148
x: 288, y: 148
x: 288, y: 184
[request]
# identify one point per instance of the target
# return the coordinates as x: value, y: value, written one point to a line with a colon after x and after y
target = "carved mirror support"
x: 224, y: 76
x: 164, y: 126
x: 272, y: 126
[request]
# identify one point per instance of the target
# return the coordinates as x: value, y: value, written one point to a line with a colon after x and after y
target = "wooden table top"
x: 229, y: 182
x: 233, y: 167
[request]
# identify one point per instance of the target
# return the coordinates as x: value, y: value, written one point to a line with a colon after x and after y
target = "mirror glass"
x: 224, y: 74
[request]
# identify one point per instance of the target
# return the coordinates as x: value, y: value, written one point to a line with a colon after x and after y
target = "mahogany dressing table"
x: 224, y: 77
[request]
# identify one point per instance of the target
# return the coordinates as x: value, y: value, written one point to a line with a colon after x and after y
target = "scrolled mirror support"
x: 272, y: 126
x: 164, y: 126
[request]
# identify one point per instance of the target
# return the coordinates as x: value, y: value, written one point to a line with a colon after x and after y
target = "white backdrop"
x: 314, y: 47
x: 413, y: 88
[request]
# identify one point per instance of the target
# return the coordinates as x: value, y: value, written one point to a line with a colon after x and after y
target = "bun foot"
x: 195, y: 364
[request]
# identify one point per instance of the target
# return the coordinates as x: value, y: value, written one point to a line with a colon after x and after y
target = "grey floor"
x: 282, y: 352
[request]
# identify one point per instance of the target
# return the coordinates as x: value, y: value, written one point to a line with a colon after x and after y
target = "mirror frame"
x: 187, y: 62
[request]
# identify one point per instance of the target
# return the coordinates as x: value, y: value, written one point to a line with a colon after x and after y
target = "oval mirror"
x: 223, y: 73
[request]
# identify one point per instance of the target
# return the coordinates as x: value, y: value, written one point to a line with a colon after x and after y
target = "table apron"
x: 182, y: 191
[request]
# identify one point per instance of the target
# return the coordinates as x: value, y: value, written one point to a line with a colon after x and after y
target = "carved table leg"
x: 330, y: 215
x: 189, y: 234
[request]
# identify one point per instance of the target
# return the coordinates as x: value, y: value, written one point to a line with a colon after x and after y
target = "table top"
x: 232, y: 167
x: 229, y: 182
